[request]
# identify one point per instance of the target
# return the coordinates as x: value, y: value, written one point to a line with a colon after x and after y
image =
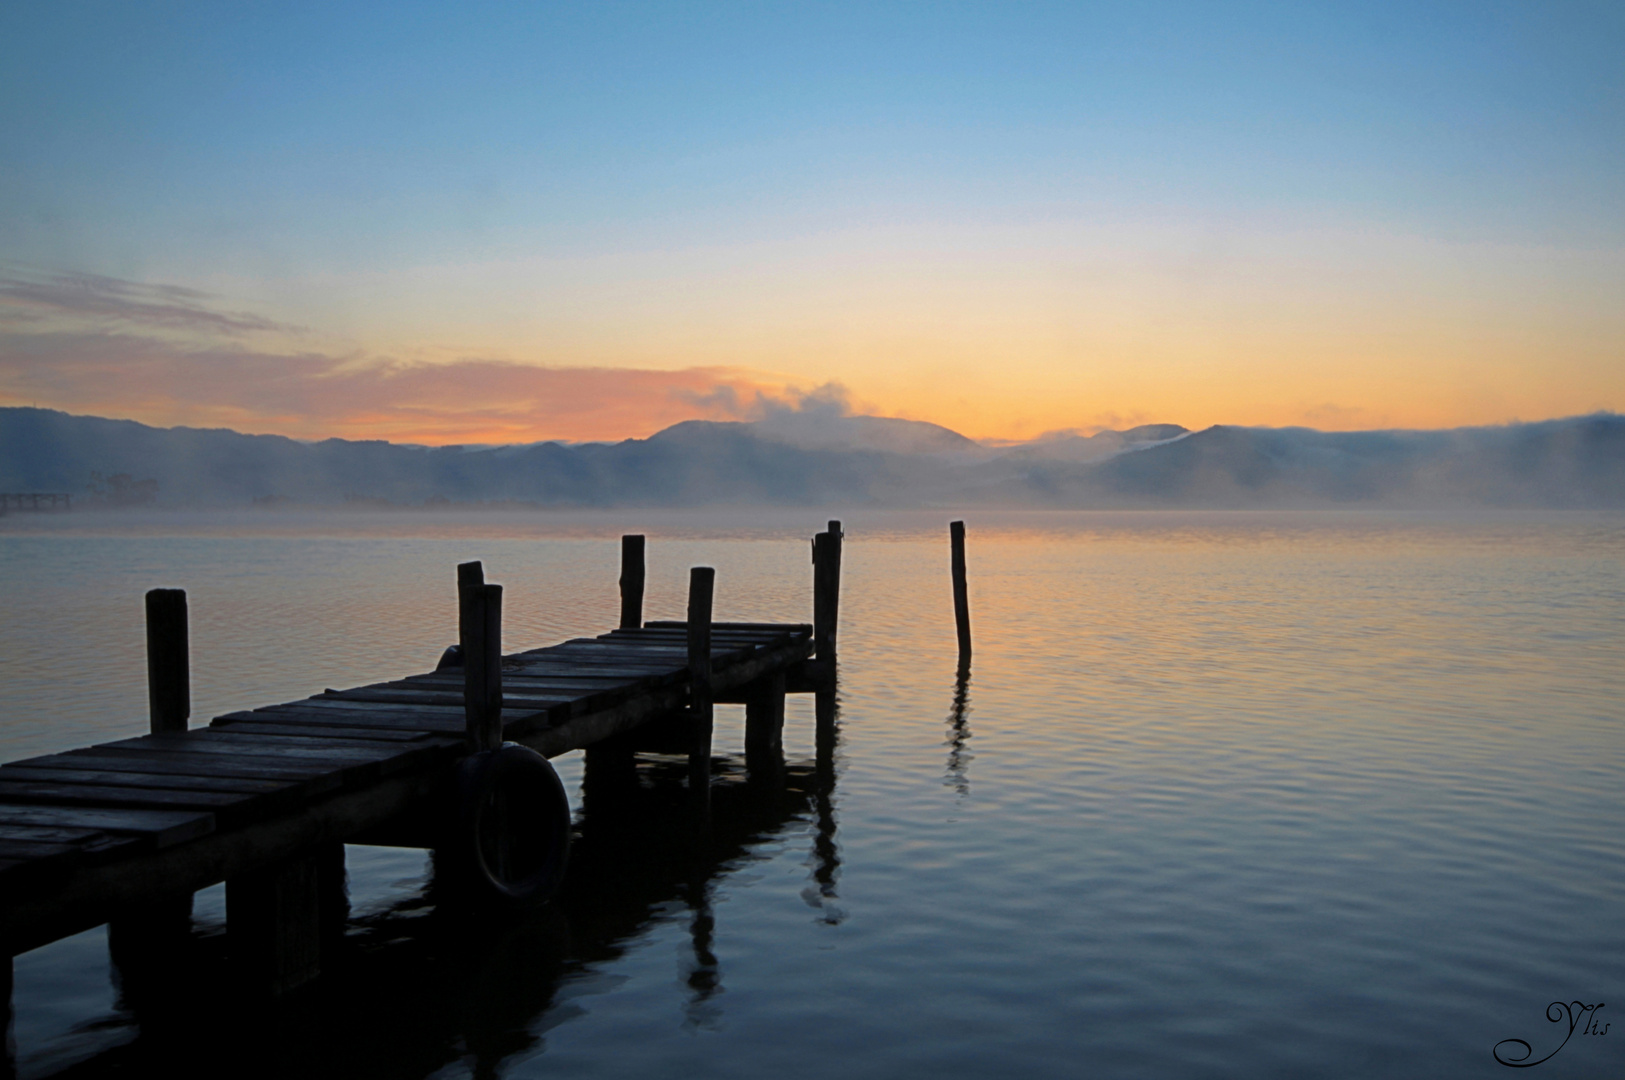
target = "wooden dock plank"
x: 43, y: 834
x: 27, y: 849
x: 522, y: 684
x: 162, y: 827
x: 318, y: 730
x: 416, y: 696
x: 396, y: 709
x: 336, y: 756
x: 318, y: 774
x: 139, y: 779
x: 293, y: 716
x: 31, y: 791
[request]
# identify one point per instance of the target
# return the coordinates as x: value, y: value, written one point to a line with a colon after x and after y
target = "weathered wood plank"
x: 319, y: 774
x: 344, y: 767
x: 793, y: 629
x: 109, y: 795
x: 139, y: 779
x: 523, y: 685
x: 164, y: 827
x: 370, y: 718
x: 380, y: 708
x: 31, y: 850
x: 216, y: 741
x: 43, y: 834
x: 418, y: 696
x: 544, y: 669
x: 321, y: 731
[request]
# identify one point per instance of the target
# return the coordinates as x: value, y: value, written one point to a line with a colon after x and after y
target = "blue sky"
x: 387, y: 177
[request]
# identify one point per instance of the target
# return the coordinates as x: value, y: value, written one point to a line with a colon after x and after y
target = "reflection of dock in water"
x: 419, y: 986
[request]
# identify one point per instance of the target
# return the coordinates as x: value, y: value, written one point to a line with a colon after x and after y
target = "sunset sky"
x: 466, y: 223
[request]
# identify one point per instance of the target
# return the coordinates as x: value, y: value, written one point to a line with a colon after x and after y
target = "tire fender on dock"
x: 511, y: 826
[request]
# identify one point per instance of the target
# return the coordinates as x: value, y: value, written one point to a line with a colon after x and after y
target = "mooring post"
x: 169, y: 685
x: 832, y: 573
x: 632, y: 569
x: 480, y: 632
x: 956, y: 536
x: 143, y: 942
x: 701, y: 583
x: 826, y: 592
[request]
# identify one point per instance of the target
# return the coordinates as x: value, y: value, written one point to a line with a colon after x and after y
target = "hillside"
x: 1577, y: 462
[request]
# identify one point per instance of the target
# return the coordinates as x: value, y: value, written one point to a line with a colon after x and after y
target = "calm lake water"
x: 1264, y: 795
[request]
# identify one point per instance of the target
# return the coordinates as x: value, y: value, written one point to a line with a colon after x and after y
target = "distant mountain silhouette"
x: 799, y: 460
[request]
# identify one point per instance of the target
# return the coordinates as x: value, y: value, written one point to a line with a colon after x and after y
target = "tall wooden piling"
x: 169, y: 685
x: 956, y: 536
x: 701, y: 584
x: 826, y: 591
x: 144, y: 941
x: 632, y: 573
x: 479, y: 621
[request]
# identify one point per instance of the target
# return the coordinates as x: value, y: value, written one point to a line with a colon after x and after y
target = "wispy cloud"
x: 161, y: 354
x: 112, y: 300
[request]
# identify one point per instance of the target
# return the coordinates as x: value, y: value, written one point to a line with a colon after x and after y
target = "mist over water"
x: 1263, y: 794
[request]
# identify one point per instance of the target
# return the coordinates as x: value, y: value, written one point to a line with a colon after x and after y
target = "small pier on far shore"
x: 453, y: 759
x: 34, y: 501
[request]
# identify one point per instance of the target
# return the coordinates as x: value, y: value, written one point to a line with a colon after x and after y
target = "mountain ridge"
x: 807, y: 460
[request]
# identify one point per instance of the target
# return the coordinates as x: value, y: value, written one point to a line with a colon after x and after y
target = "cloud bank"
x: 167, y: 355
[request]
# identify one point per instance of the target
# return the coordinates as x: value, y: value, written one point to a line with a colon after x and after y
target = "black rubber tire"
x: 511, y: 835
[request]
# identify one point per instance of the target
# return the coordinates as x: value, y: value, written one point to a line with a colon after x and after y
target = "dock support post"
x: 632, y: 572
x: 701, y: 584
x: 8, y: 1038
x: 143, y: 941
x: 764, y: 726
x: 956, y: 538
x: 169, y: 685
x: 274, y: 923
x: 479, y: 631
x: 147, y: 946
x: 826, y: 591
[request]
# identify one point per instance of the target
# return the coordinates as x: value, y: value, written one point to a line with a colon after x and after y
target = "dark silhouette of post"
x: 169, y: 684
x: 479, y: 634
x: 8, y: 1054
x: 826, y: 591
x: 632, y: 571
x: 956, y: 534
x: 701, y: 583
x: 144, y: 941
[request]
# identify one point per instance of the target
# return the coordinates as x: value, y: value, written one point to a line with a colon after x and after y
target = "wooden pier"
x: 35, y: 500
x: 264, y: 800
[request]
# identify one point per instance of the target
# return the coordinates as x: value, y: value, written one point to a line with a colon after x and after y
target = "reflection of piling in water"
x: 959, y: 734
